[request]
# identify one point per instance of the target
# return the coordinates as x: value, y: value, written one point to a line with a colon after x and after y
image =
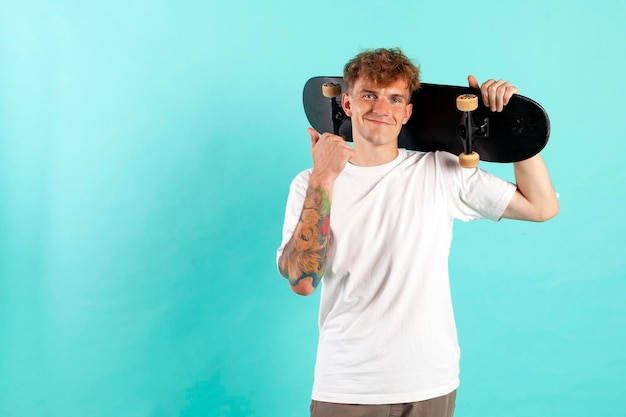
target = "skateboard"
x: 444, y: 118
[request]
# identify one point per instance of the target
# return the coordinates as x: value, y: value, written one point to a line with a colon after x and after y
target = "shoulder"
x: 436, y: 159
x: 303, y: 176
x: 446, y: 159
x: 300, y: 182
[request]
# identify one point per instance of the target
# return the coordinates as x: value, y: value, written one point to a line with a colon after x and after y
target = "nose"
x: 381, y: 107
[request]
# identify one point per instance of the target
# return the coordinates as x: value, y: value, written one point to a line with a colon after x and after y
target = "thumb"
x: 315, y: 137
x: 473, y: 82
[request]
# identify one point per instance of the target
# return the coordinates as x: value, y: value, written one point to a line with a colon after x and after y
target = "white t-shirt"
x: 387, y: 330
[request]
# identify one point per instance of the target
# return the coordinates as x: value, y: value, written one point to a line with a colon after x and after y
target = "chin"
x: 383, y: 142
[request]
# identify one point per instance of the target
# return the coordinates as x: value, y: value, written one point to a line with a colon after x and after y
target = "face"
x: 377, y: 113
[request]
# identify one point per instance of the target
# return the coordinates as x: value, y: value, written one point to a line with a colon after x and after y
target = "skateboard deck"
x: 517, y: 133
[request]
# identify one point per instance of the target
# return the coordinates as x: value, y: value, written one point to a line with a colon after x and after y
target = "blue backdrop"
x: 146, y: 149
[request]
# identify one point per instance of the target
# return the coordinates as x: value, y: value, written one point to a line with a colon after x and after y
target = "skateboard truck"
x: 332, y: 91
x: 467, y: 129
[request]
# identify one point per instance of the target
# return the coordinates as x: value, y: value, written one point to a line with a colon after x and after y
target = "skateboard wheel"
x: 467, y: 102
x: 469, y: 160
x: 331, y: 90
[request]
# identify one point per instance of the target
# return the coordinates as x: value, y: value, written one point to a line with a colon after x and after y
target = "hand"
x: 330, y: 156
x: 495, y: 94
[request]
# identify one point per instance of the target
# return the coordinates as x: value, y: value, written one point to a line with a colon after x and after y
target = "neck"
x: 369, y: 156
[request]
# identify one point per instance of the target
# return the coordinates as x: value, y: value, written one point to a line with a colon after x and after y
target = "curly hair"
x: 383, y: 67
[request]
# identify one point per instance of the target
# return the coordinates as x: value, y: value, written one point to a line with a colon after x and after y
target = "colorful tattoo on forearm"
x: 305, y: 254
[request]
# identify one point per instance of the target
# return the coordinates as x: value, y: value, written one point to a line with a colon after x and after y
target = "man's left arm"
x: 534, y: 199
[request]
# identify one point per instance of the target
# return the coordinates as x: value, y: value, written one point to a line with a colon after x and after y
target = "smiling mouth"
x: 378, y: 122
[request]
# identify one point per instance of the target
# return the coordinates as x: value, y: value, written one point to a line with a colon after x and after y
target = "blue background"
x: 146, y: 149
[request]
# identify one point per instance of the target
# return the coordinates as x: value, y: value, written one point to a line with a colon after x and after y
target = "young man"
x: 375, y: 222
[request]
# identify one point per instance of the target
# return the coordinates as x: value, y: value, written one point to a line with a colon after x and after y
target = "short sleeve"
x: 474, y: 193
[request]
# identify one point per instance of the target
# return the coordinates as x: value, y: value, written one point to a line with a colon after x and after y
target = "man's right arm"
x: 305, y: 255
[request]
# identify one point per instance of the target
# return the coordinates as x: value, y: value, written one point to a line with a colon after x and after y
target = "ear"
x: 407, y: 113
x: 345, y: 103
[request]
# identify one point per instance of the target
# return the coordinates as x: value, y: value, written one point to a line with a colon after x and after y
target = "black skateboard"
x: 445, y: 118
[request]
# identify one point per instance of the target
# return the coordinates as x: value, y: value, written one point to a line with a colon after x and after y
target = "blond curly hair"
x: 382, y: 67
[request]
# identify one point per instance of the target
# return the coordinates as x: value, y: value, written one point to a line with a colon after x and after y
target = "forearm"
x: 304, y: 257
x: 535, y: 199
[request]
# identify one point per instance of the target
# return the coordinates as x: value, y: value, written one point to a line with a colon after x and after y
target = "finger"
x: 485, y: 91
x: 349, y: 153
x: 495, y: 96
x: 315, y: 137
x: 511, y: 89
x: 504, y: 92
x: 336, y: 143
x: 502, y: 95
x: 496, y: 93
x: 327, y: 136
x: 473, y: 82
